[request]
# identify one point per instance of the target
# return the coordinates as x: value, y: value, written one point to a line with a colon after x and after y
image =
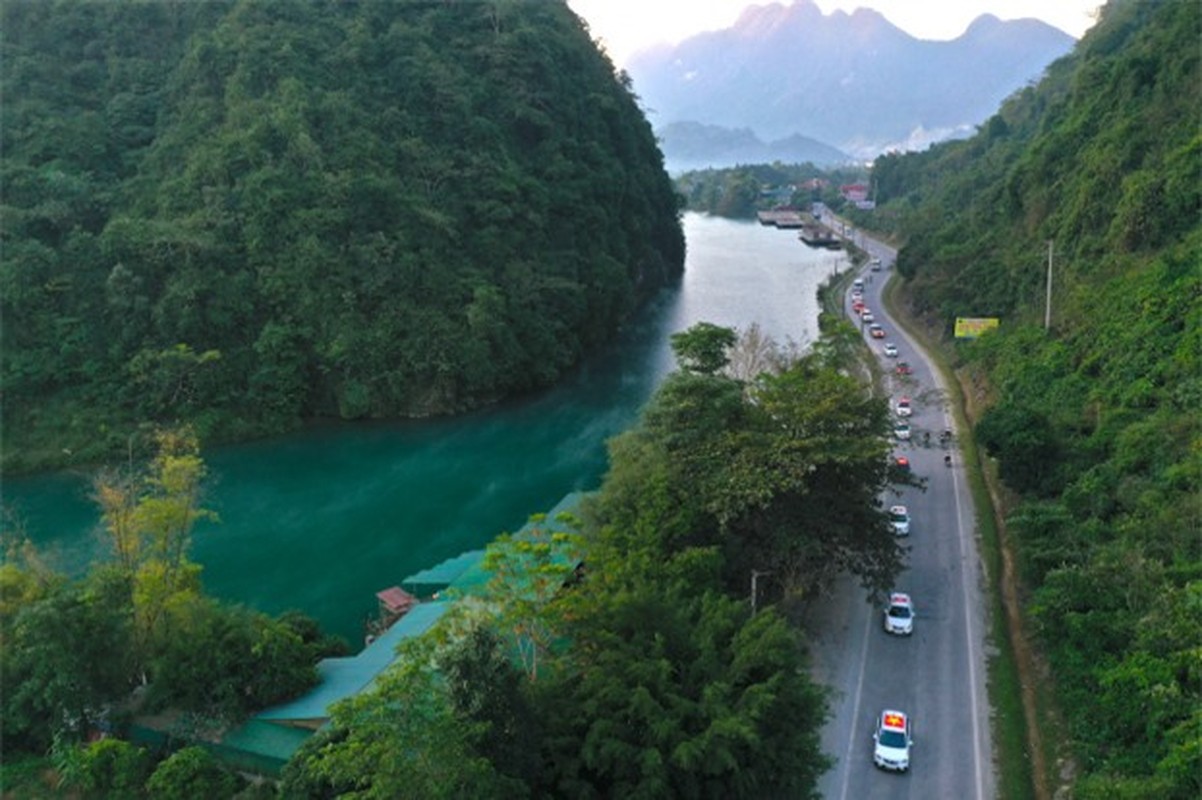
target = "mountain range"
x: 693, y: 145
x: 853, y: 81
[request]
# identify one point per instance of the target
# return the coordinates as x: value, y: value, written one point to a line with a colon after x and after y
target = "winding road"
x: 938, y: 674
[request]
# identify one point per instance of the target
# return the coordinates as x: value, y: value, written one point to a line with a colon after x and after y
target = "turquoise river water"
x: 321, y: 520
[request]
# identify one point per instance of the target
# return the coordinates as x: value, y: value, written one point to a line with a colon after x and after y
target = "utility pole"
x: 1047, y: 314
x: 755, y: 574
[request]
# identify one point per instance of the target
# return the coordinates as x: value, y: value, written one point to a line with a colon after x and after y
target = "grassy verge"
x: 1018, y: 773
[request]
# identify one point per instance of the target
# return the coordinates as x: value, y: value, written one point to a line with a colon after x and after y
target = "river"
x: 322, y: 519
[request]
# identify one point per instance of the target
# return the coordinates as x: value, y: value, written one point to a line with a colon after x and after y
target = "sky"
x: 627, y: 26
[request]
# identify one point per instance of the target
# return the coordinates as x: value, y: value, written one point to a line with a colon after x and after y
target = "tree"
x: 191, y: 773
x: 784, y: 475
x: 149, y: 520
x: 668, y: 693
x: 703, y: 348
x: 64, y: 661
x: 1025, y: 444
x: 106, y: 768
x: 827, y: 449
x: 489, y: 692
x: 402, y: 739
x: 224, y: 662
x: 527, y: 571
x: 755, y: 353
x: 167, y: 379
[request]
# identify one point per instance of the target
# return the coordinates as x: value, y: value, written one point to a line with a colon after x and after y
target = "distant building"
x: 854, y: 192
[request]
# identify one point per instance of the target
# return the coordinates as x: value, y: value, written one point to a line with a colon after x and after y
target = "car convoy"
x: 893, y: 734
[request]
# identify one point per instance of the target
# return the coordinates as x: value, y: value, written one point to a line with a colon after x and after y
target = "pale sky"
x: 627, y: 26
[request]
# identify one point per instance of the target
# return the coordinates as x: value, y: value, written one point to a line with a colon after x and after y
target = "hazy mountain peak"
x: 854, y: 80
x: 868, y: 20
x: 764, y: 21
x: 985, y: 21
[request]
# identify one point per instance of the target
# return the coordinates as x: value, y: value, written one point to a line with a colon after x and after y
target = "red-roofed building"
x: 854, y: 192
x: 395, y: 602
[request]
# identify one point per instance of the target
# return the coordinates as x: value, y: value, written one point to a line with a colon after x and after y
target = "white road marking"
x: 855, y: 710
x: 965, y: 570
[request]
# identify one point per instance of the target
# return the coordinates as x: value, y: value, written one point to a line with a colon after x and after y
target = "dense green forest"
x: 241, y: 214
x: 1094, y: 422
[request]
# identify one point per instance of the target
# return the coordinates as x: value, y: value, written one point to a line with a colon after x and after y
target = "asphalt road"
x: 937, y: 675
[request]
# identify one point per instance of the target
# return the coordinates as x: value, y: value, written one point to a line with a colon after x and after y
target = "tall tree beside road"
x: 671, y: 690
x: 777, y: 474
x: 781, y: 474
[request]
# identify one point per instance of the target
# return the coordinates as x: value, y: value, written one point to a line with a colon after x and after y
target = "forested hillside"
x: 1095, y: 422
x: 245, y: 214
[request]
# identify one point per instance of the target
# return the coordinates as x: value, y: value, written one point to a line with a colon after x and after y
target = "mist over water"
x: 321, y: 520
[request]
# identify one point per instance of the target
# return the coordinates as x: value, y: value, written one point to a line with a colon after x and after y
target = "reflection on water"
x: 323, y: 519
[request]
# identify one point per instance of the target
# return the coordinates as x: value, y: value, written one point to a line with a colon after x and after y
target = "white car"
x: 890, y: 350
x: 867, y: 316
x: 875, y: 265
x: 899, y: 615
x: 901, y: 431
x: 894, y: 739
x: 899, y: 516
x: 903, y: 407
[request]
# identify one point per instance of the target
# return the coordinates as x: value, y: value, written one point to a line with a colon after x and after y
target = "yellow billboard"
x: 972, y: 327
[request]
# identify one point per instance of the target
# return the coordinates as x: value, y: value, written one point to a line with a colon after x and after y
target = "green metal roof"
x: 475, y: 578
x: 270, y: 739
x: 441, y: 575
x: 343, y: 677
x: 272, y: 744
